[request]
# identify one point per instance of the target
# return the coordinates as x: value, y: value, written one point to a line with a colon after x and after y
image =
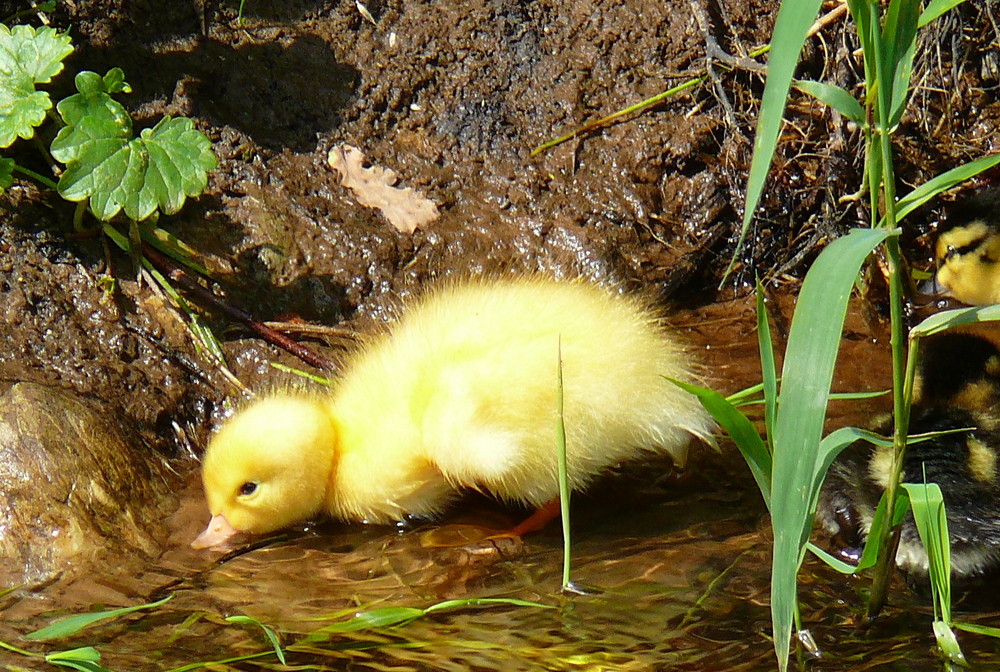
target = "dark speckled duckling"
x: 958, y: 387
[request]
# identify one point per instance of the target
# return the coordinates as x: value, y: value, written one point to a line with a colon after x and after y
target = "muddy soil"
x: 453, y: 97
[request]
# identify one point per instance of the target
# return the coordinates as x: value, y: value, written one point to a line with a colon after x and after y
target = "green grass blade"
x: 590, y: 125
x: 862, y: 19
x: 388, y: 617
x: 10, y: 647
x: 746, y: 398
x: 321, y: 380
x: 86, y: 653
x: 174, y: 247
x: 742, y: 432
x: 74, y: 624
x: 858, y: 396
x: 832, y: 445
x: 768, y: 369
x: 484, y: 602
x: 869, y: 554
x: 835, y: 97
x: 794, y: 19
x: 832, y: 560
x: 936, y: 8
x: 749, y: 395
x: 943, y: 182
x: 978, y: 629
x: 900, y: 39
x: 85, y: 659
x: 384, y: 617
x: 216, y: 664
x: 807, y: 375
x: 268, y: 632
x: 564, y: 492
x: 932, y: 526
x: 947, y: 319
x: 948, y: 644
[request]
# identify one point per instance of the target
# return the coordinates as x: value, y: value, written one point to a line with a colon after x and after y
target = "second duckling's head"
x: 968, y: 250
x: 268, y: 467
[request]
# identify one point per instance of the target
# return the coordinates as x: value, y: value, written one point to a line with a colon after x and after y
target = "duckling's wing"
x: 491, y: 421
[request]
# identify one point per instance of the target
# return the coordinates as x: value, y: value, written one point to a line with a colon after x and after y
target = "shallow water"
x: 678, y: 566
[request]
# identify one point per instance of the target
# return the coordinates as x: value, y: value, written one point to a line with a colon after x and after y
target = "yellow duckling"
x: 460, y: 394
x: 968, y: 251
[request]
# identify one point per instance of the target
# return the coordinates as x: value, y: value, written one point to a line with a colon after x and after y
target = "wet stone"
x: 75, y: 485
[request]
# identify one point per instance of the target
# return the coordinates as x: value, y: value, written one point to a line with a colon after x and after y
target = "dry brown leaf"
x: 405, y: 208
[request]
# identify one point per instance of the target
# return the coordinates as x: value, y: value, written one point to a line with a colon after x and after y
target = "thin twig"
x: 177, y: 274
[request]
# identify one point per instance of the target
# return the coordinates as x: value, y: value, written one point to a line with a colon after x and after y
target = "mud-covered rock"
x: 75, y: 485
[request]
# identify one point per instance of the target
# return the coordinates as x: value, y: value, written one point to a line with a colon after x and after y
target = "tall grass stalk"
x: 564, y: 493
x: 795, y: 412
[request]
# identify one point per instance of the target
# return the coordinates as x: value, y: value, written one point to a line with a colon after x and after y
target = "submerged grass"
x: 564, y: 492
x: 88, y: 658
x: 67, y: 627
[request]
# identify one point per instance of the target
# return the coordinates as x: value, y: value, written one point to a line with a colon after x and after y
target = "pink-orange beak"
x: 218, y: 532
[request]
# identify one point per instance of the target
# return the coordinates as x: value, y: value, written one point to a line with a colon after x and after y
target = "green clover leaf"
x: 117, y: 171
x: 27, y: 57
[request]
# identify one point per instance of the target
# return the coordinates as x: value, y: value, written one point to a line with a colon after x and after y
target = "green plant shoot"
x: 116, y: 171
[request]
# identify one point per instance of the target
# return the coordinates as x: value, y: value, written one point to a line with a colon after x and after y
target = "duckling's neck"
x: 331, y: 478
x: 381, y: 473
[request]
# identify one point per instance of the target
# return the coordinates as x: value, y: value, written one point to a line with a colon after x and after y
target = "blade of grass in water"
x: 813, y: 343
x: 768, y: 370
x: 268, y: 632
x: 563, y: 473
x: 216, y: 664
x: 85, y: 659
x: 74, y: 624
x: 932, y: 525
x: 979, y: 629
x: 388, y: 617
x: 740, y: 430
x: 870, y: 553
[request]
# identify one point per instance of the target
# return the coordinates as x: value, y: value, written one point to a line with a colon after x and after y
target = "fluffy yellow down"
x: 461, y: 393
x: 969, y: 263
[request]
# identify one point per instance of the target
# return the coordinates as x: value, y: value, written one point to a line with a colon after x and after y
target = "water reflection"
x: 683, y: 569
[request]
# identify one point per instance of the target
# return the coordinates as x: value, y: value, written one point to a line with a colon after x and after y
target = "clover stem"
x: 40, y: 146
x: 47, y: 181
x: 81, y: 208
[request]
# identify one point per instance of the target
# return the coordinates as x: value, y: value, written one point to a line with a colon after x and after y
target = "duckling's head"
x: 968, y: 250
x: 268, y: 467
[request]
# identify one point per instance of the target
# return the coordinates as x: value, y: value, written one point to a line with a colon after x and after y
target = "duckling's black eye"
x: 950, y: 252
x: 248, y: 488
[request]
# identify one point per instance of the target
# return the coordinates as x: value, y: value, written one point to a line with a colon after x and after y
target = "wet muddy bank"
x: 453, y: 98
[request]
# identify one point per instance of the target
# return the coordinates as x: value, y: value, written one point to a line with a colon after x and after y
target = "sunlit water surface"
x: 677, y: 568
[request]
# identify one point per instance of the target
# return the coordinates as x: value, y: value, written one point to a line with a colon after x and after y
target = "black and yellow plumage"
x: 968, y: 250
x: 959, y: 392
